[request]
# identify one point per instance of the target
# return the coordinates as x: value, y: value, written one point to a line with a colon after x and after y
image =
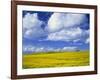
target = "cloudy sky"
x: 55, y: 31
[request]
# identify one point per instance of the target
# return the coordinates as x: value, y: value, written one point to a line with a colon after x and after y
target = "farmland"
x: 55, y: 59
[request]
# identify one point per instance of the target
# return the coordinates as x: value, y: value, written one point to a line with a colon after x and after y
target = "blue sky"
x: 55, y: 31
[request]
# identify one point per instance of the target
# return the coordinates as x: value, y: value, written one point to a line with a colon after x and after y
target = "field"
x: 55, y: 59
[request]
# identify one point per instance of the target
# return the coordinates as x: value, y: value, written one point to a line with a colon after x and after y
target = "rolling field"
x: 55, y: 59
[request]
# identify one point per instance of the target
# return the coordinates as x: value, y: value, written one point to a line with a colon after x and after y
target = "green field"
x: 55, y: 59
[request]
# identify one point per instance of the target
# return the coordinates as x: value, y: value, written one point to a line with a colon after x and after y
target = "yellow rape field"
x: 55, y: 59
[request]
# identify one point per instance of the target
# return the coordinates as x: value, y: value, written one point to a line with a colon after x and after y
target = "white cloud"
x: 62, y: 20
x: 73, y: 19
x: 60, y: 26
x: 55, y: 22
x: 87, y: 41
x: 73, y: 34
x: 69, y: 49
x: 32, y: 26
x: 30, y: 48
x: 65, y: 27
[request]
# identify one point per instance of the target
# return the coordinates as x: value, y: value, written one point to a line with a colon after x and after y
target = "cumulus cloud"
x: 64, y: 20
x: 30, y: 48
x: 73, y: 19
x: 66, y: 27
x: 73, y: 34
x: 55, y: 22
x: 32, y: 26
x: 66, y: 35
x: 60, y: 26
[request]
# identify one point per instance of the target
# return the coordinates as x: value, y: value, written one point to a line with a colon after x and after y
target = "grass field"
x: 55, y: 59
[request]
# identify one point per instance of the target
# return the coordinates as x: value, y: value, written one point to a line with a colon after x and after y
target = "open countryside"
x: 55, y: 59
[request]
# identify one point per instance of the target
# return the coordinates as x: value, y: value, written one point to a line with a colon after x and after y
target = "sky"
x: 54, y: 31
